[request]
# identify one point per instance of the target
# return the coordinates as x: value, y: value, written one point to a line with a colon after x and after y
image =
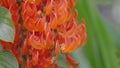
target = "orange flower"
x: 52, y: 27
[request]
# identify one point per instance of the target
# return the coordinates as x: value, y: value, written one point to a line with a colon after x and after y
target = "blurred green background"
x: 102, y: 49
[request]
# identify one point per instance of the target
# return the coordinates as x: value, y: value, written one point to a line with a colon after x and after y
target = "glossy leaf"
x: 7, y: 30
x: 7, y: 60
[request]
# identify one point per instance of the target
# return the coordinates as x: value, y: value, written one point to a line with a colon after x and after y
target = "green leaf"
x: 7, y: 60
x: 7, y: 30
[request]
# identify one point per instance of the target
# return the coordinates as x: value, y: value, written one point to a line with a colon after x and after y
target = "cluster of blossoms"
x: 51, y: 28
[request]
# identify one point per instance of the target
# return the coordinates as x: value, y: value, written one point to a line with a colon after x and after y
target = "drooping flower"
x: 51, y: 27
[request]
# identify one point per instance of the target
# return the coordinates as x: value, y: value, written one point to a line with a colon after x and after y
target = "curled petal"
x: 38, y: 2
x: 63, y: 17
x: 60, y: 5
x: 35, y: 59
x: 50, y: 39
x: 35, y: 42
x: 70, y: 30
x: 29, y: 64
x: 75, y: 15
x: 67, y: 45
x: 72, y: 3
x: 31, y: 25
x: 40, y: 25
x: 53, y: 20
x: 31, y: 1
x: 25, y: 48
x: 75, y: 39
x: 71, y: 61
x: 77, y: 43
x: 49, y: 7
x: 57, y: 48
x: 82, y: 32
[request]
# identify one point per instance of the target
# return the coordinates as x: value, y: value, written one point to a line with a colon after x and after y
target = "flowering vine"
x: 51, y: 26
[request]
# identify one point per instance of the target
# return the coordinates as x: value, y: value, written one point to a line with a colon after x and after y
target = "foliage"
x: 7, y: 60
x: 7, y: 30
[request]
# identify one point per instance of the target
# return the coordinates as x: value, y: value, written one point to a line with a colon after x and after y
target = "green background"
x: 102, y: 49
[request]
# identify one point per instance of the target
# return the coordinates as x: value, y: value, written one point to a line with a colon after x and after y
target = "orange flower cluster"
x: 51, y: 27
